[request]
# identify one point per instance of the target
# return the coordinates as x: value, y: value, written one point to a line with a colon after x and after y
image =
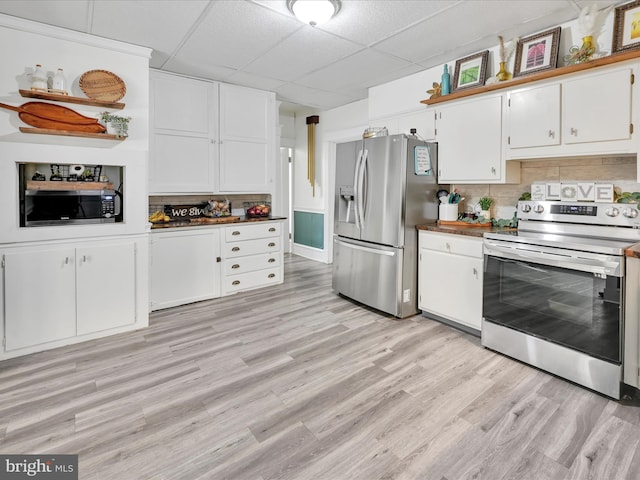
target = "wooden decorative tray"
x: 457, y: 223
x: 102, y: 85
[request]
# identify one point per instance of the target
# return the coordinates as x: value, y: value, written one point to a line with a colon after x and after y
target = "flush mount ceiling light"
x: 313, y: 12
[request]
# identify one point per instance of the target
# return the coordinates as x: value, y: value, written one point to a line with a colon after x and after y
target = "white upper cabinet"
x: 208, y: 137
x: 470, y: 146
x: 534, y: 116
x: 247, y: 139
x: 588, y: 113
x: 597, y: 107
x: 184, y: 135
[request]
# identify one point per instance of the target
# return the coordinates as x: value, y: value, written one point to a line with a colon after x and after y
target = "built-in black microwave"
x: 59, y: 207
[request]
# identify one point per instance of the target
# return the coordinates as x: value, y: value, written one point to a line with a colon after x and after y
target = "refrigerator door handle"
x: 366, y: 249
x: 356, y: 189
x: 361, y: 196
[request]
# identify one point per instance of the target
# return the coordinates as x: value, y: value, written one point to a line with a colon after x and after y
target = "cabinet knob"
x: 574, y: 132
x: 448, y: 246
x: 475, y: 272
x: 235, y: 282
x: 271, y: 260
x: 552, y: 134
x: 235, y: 266
x: 272, y: 229
x: 235, y: 232
x: 493, y: 170
x: 66, y: 260
x: 271, y: 275
x: 235, y: 249
x: 271, y: 244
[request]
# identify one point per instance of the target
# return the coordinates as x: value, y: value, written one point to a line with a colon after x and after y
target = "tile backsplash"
x: 621, y: 171
x: 157, y: 202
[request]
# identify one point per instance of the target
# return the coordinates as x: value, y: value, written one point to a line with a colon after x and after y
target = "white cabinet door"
x: 597, y: 107
x: 106, y: 286
x: 40, y: 296
x: 247, y: 139
x: 180, y: 104
x: 182, y: 164
x: 469, y: 136
x: 534, y: 117
x: 451, y: 286
x: 184, y: 135
x: 184, y: 267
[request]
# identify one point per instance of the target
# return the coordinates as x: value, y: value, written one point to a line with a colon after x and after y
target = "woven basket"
x: 102, y: 85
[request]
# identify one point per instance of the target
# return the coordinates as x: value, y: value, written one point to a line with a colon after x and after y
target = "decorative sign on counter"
x: 212, y: 208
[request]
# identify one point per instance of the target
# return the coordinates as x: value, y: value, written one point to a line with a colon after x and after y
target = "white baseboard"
x: 311, y: 253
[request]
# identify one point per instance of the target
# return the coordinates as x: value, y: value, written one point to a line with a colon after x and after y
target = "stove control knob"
x: 538, y: 208
x: 612, y: 212
x: 526, y: 208
x: 630, y: 212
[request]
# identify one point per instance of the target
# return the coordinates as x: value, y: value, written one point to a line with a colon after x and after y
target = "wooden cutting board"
x: 456, y: 223
x: 205, y: 220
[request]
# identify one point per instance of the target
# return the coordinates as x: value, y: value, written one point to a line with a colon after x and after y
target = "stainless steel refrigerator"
x: 384, y: 187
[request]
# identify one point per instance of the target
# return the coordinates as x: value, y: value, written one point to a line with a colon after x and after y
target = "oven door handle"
x: 604, y: 266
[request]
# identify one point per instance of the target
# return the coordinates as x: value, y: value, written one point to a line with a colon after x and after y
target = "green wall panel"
x: 308, y: 229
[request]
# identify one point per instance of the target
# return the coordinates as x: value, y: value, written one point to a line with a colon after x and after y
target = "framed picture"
x: 626, y: 27
x: 537, y: 52
x: 471, y: 71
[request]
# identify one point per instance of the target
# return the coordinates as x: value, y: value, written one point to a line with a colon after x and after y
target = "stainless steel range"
x: 553, y: 292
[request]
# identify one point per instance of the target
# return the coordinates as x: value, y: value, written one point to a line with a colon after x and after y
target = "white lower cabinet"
x: 450, y: 277
x: 185, y: 267
x: 56, y: 292
x: 631, y: 361
x: 251, y: 256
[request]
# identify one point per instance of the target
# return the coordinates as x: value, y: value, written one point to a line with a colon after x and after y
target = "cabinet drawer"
x: 249, y: 280
x: 448, y: 243
x: 251, y: 263
x: 251, y: 247
x: 247, y: 232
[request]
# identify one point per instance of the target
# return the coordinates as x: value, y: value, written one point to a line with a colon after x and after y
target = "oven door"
x: 560, y: 310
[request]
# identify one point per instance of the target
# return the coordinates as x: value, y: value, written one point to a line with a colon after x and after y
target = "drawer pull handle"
x: 235, y: 249
x: 235, y: 282
x: 235, y: 232
x: 272, y: 229
x: 271, y: 275
x: 271, y: 260
x: 271, y: 244
x: 235, y: 266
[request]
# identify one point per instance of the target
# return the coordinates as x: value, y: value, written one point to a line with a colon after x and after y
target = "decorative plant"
x: 590, y: 23
x: 505, y: 53
x: 436, y: 91
x: 485, y: 203
x: 119, y: 124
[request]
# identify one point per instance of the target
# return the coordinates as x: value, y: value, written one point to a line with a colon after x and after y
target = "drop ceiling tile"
x: 163, y: 25
x: 72, y: 14
x: 433, y: 36
x: 254, y: 81
x: 312, y: 97
x: 362, y: 69
x: 200, y: 70
x: 234, y: 33
x: 306, y: 50
x: 368, y: 22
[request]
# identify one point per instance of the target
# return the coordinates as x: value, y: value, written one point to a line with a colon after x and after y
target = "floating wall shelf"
x: 556, y: 72
x: 68, y: 99
x: 67, y: 133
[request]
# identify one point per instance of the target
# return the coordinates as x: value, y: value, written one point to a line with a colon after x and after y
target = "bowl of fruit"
x: 257, y: 210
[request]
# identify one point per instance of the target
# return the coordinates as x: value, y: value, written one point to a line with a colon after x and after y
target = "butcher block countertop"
x: 189, y: 224
x: 633, y: 251
x: 461, y: 230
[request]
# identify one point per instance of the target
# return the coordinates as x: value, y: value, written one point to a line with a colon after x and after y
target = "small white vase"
x: 486, y: 214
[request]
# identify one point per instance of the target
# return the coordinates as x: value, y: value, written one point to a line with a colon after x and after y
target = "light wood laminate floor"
x: 295, y: 382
